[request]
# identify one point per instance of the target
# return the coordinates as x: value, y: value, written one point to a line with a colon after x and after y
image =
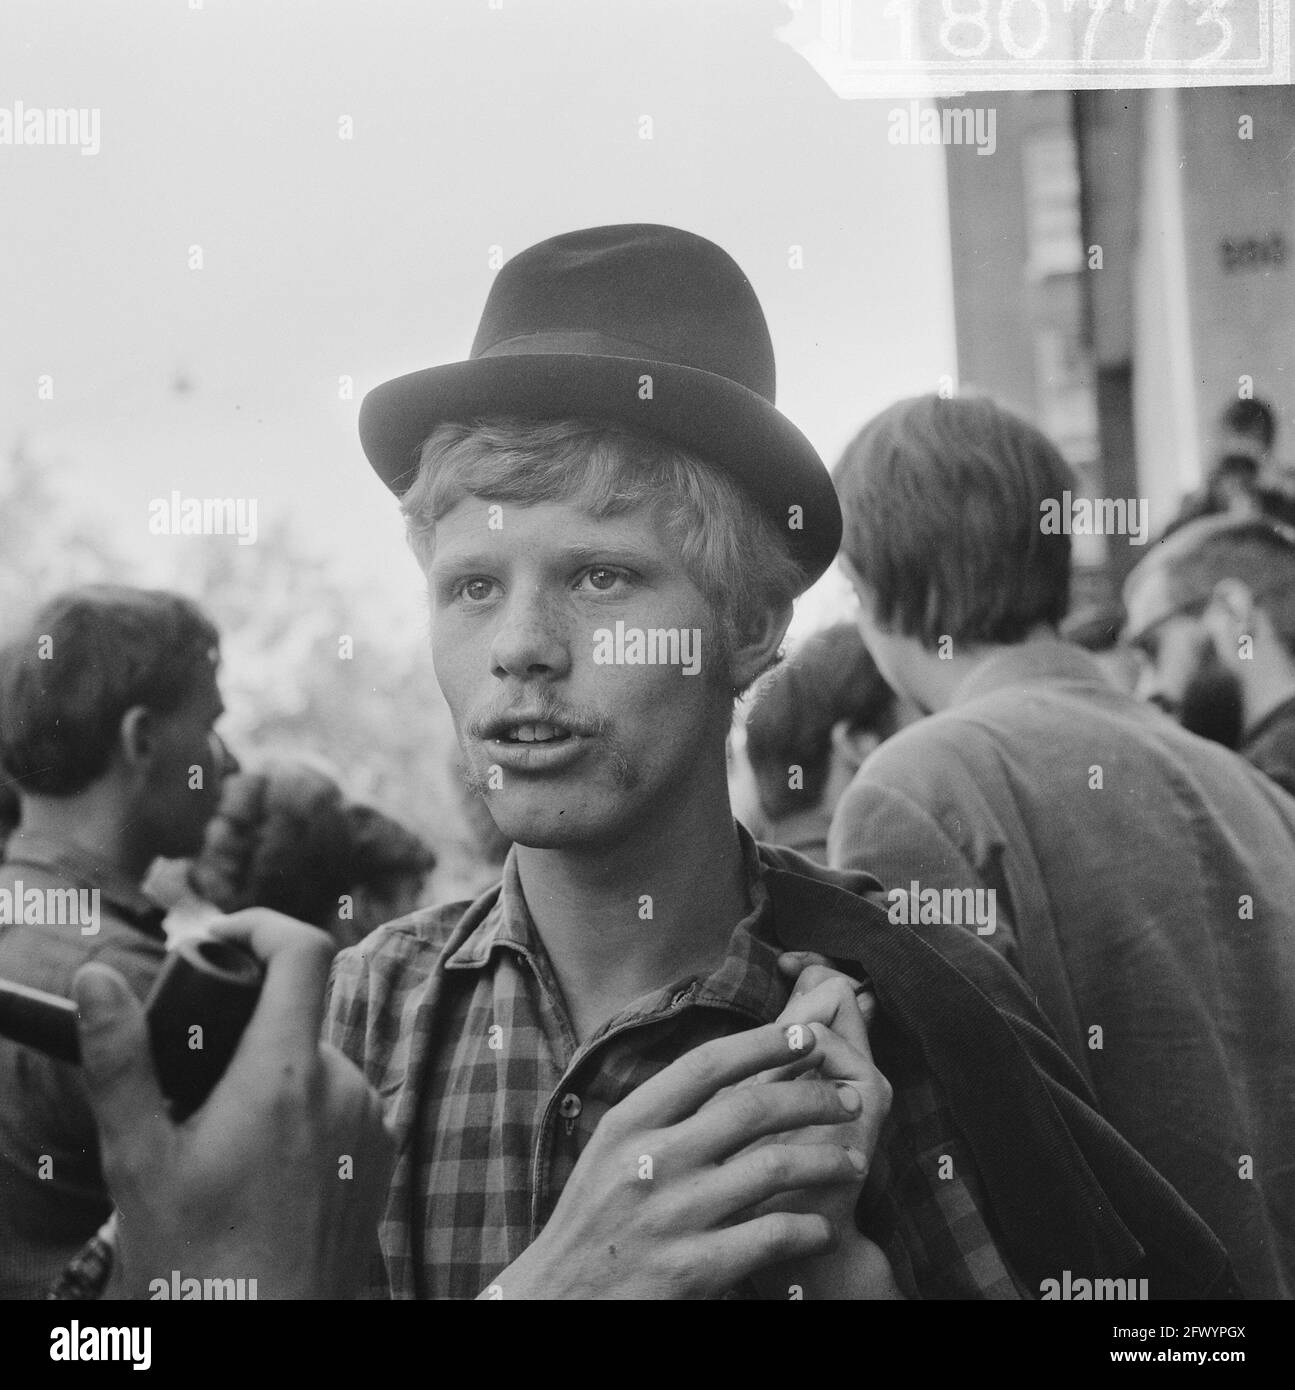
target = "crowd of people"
x: 995, y: 985
x: 119, y: 782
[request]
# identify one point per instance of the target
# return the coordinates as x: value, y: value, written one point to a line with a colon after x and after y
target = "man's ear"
x: 1233, y: 601
x: 861, y: 592
x: 137, y: 736
x: 756, y: 649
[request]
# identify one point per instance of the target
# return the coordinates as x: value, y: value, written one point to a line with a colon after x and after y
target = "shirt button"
x: 570, y: 1106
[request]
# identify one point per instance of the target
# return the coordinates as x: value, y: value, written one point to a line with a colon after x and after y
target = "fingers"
x: 678, y: 1090
x: 848, y: 1066
x: 751, y: 1112
x: 289, y: 1017
x: 116, y: 1062
x: 832, y: 1002
x: 803, y: 1066
x: 793, y: 962
x: 776, y: 1238
x: 771, y: 1170
x: 830, y: 1006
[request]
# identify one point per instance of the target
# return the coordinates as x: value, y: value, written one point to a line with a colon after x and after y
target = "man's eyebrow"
x: 626, y: 551
x: 456, y: 561
x: 584, y: 552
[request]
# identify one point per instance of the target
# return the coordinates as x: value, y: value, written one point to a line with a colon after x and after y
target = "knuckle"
x: 789, y: 1234
x: 772, y: 1166
x: 748, y: 1107
x: 841, y: 990
x: 680, y: 1268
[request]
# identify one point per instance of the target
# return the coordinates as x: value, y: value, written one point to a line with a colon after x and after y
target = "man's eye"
x: 603, y: 577
x: 476, y: 590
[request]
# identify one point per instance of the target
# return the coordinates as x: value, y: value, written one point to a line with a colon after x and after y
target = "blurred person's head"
x: 944, y: 544
x: 281, y: 839
x: 108, y: 701
x: 1247, y: 428
x: 830, y: 680
x: 1212, y: 610
x: 388, y: 869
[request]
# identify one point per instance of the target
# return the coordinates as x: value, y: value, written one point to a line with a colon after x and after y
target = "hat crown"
x: 660, y: 293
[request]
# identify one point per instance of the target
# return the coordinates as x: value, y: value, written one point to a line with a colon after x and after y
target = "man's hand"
x: 654, y: 1207
x: 855, y: 1267
x: 281, y: 1176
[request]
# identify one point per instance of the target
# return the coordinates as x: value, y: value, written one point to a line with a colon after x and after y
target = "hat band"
x: 577, y: 344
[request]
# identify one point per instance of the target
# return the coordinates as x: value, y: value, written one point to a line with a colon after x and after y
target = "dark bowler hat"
x: 573, y: 325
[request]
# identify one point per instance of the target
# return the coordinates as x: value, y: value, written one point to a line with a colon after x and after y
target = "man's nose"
x: 223, y: 760
x: 1151, y: 688
x: 532, y: 639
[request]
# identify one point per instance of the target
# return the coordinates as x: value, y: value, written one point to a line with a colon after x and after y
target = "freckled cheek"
x: 654, y: 706
x: 459, y: 659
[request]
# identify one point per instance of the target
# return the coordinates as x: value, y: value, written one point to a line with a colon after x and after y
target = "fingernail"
x: 857, y: 1157
x: 849, y: 1097
x: 800, y: 1037
x: 100, y: 997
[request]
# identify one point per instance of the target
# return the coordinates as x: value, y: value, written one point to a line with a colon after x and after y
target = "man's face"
x: 571, y: 744
x: 176, y: 809
x: 1181, y: 672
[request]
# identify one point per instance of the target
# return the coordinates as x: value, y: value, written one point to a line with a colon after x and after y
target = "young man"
x: 1213, y: 607
x: 107, y: 702
x: 1142, y: 880
x: 596, y: 1074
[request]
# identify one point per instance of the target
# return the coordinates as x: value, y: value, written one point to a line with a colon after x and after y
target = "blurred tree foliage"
x: 310, y: 666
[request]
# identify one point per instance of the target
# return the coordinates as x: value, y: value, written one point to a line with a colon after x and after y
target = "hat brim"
x: 721, y: 421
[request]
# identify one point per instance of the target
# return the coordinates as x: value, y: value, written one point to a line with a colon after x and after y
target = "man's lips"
x: 536, y: 754
x: 534, y: 739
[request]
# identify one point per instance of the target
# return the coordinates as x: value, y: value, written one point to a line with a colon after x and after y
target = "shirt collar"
x: 1277, y: 715
x: 88, y: 870
x: 747, y: 979
x: 1041, y: 660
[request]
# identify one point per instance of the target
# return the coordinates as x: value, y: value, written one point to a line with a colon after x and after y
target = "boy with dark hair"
x: 1140, y: 879
x: 107, y: 702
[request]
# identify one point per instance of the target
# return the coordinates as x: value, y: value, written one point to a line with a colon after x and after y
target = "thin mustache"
x: 579, y: 719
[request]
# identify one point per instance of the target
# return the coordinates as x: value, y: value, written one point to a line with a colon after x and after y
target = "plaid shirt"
x: 456, y: 1018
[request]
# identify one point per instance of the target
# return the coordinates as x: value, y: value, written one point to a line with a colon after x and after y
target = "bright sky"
x: 325, y: 257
